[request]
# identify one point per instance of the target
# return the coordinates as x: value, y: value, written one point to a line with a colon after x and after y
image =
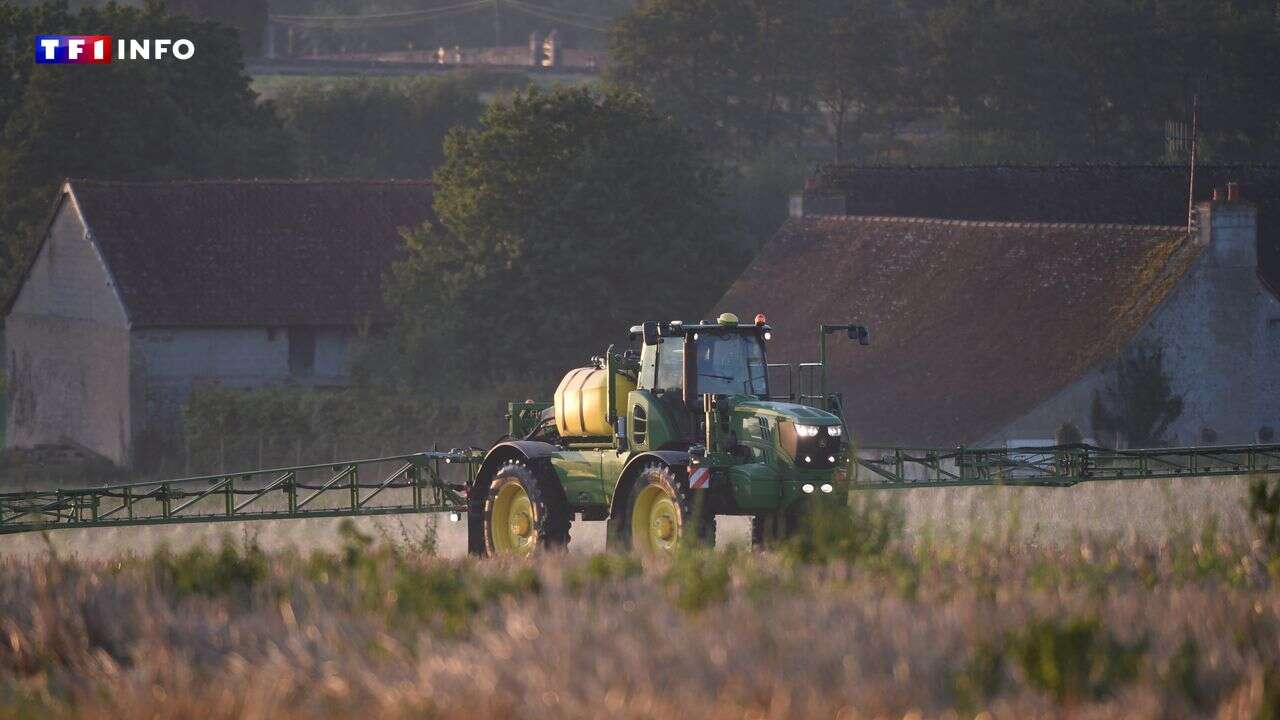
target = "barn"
x: 992, y: 328
x: 140, y: 290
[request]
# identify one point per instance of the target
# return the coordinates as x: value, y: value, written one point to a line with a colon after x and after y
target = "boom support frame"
x: 1055, y: 466
x: 401, y: 484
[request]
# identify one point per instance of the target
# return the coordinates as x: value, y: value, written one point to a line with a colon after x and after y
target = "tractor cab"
x: 707, y: 358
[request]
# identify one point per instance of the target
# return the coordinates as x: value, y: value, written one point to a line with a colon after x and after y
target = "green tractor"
x: 659, y: 441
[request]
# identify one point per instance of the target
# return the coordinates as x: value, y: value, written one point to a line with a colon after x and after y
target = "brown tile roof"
x: 972, y: 323
x: 253, y: 252
x: 1081, y: 193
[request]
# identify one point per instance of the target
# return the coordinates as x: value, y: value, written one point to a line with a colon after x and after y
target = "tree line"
x: 961, y: 80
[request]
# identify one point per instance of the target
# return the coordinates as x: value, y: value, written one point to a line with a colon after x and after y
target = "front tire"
x: 661, y: 515
x: 524, y: 514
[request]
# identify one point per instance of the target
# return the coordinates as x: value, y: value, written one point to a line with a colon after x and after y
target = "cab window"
x: 671, y: 364
x: 662, y: 365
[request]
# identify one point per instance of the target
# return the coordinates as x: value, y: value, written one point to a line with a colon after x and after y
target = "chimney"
x: 1229, y: 226
x: 815, y: 200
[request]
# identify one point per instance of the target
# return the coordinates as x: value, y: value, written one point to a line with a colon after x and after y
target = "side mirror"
x: 651, y: 333
x: 860, y: 333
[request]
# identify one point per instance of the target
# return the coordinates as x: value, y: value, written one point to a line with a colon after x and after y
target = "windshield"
x: 731, y: 363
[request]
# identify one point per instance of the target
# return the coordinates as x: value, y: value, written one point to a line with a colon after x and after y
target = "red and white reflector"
x: 699, y: 479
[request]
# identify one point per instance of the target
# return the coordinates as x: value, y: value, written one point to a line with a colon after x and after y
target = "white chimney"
x: 1229, y: 226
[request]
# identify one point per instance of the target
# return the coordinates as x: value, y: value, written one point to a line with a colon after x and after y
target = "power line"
x: 539, y: 13
x: 401, y: 19
x: 381, y: 19
x: 571, y: 13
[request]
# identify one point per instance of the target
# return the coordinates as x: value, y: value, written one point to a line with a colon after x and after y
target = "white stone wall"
x: 67, y: 349
x: 1220, y: 330
x: 168, y: 362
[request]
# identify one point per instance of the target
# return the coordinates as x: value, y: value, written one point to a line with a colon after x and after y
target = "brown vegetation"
x: 1000, y: 611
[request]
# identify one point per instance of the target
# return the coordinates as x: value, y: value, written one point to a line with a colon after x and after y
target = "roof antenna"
x: 1195, y: 138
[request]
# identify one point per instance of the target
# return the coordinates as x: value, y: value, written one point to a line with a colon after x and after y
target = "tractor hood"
x: 794, y: 412
x: 810, y: 439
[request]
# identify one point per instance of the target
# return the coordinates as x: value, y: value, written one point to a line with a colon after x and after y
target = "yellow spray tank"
x: 582, y: 401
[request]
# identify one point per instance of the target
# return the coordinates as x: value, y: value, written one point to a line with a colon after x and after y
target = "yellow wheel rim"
x: 512, y: 522
x: 655, y: 522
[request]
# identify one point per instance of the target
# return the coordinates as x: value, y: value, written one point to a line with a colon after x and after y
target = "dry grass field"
x: 1145, y: 599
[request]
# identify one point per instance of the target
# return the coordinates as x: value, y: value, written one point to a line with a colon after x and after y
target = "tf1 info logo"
x: 101, y: 49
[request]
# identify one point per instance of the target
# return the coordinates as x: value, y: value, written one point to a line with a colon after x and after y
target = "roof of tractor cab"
x: 676, y: 328
x: 972, y: 323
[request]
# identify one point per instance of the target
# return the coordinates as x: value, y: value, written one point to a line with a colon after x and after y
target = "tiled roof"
x: 972, y: 323
x: 1084, y: 193
x: 253, y: 252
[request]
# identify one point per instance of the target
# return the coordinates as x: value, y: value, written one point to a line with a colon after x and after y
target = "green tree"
x: 738, y: 72
x: 1052, y: 80
x: 565, y: 217
x: 864, y: 65
x: 126, y: 120
x: 376, y: 127
x: 1138, y: 402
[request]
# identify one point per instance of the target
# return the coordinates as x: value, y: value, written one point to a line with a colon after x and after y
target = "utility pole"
x: 1195, y: 136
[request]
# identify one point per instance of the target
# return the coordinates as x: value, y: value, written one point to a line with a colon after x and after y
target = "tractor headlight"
x: 810, y: 447
x: 807, y: 488
x: 827, y: 488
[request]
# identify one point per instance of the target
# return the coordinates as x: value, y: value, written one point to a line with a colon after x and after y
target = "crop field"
x: 1143, y: 599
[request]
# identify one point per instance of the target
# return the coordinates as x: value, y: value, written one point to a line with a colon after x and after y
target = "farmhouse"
x: 141, y: 290
x: 989, y: 327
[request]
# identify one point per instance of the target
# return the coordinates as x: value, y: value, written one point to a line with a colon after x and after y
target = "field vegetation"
x: 1013, y: 603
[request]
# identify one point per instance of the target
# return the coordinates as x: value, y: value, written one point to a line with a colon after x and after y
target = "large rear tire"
x: 661, y: 514
x: 524, y: 514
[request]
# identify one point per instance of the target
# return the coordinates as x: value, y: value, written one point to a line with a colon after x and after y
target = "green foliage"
x: 699, y: 578
x: 426, y: 543
x: 1269, y: 708
x: 1036, y: 81
x: 233, y: 569
x: 1264, y: 508
x: 1181, y: 674
x: 376, y: 127
x: 563, y: 217
x: 1068, y: 434
x: 1138, y: 403
x: 1075, y: 658
x: 601, y: 569
x: 756, y: 192
x: 865, y: 58
x: 979, y: 678
x: 726, y: 68
x: 1097, y: 79
x: 1198, y: 553
x: 837, y: 531
x: 444, y: 596
x: 213, y: 411
x: 194, y: 118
